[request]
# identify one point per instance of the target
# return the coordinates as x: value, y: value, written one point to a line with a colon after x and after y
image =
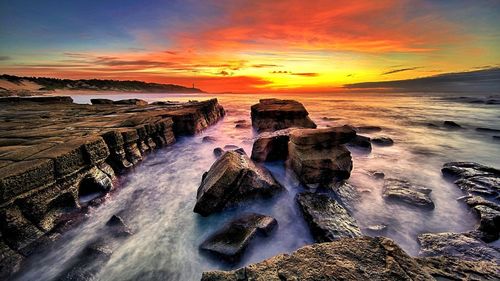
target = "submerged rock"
x: 231, y: 241
x: 452, y: 268
x: 208, y: 139
x: 117, y: 227
x: 363, y: 258
x: 275, y: 114
x: 451, y: 125
x: 462, y: 245
x: 404, y: 191
x: 271, y: 146
x: 382, y: 141
x: 326, y: 218
x: 488, y: 130
x: 362, y: 143
x: 218, y: 151
x: 368, y: 129
x: 318, y: 156
x: 233, y: 178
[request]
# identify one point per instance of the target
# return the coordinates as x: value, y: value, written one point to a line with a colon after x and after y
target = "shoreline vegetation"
x: 11, y: 85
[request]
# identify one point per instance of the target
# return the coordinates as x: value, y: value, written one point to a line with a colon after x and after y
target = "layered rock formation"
x: 57, y: 157
x: 406, y: 192
x: 275, y: 114
x: 318, y: 156
x: 271, y: 146
x: 327, y: 220
x: 231, y: 241
x: 233, y: 178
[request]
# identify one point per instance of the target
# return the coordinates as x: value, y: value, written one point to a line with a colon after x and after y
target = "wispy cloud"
x: 400, y: 70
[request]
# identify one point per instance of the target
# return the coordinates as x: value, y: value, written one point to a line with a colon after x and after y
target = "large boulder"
x: 231, y: 241
x: 362, y: 258
x: 233, y: 178
x: 406, y: 192
x: 453, y: 268
x: 326, y: 218
x: 318, y: 156
x: 275, y: 114
x: 271, y: 146
x: 462, y: 245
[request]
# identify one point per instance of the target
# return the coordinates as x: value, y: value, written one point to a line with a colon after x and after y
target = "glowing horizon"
x: 248, y: 46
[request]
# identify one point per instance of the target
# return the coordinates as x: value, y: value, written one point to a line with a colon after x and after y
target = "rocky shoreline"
x: 321, y: 161
x: 58, y: 158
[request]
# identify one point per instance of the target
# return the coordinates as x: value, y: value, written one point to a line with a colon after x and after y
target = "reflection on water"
x: 159, y: 194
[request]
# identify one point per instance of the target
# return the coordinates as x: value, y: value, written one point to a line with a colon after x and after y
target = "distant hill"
x: 30, y: 84
x: 484, y: 80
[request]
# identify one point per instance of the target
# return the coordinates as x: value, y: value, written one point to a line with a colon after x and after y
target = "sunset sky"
x: 248, y: 46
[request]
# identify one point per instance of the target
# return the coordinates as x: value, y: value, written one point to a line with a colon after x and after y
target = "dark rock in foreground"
x: 232, y: 179
x: 327, y: 219
x: 275, y: 114
x: 362, y: 143
x: 462, y: 245
x: 452, y: 268
x: 404, y: 191
x: 318, y: 156
x: 362, y: 258
x: 231, y: 241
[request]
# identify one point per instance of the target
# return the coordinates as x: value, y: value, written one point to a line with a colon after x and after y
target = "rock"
x: 270, y: 147
x: 117, y: 227
x: 488, y: 130
x: 327, y: 220
x: 318, y: 156
x: 231, y: 146
x: 496, y: 137
x: 275, y: 114
x: 378, y: 175
x: 451, y: 125
x: 362, y: 143
x: 218, y: 151
x: 101, y: 101
x: 10, y: 261
x: 489, y: 222
x: 346, y: 194
x: 208, y: 139
x: 88, y: 263
x: 363, y: 258
x: 233, y: 238
x: 131, y: 101
x: 242, y: 126
x: 241, y: 121
x: 382, y: 141
x: 233, y: 178
x: 404, y: 191
x: 462, y: 245
x: 452, y: 268
x: 468, y: 169
x: 376, y: 229
x: 368, y: 129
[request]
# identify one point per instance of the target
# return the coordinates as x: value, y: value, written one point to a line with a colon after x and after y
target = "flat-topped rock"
x: 232, y: 179
x: 233, y: 238
x: 58, y: 158
x: 362, y: 258
x: 406, y: 192
x: 326, y: 218
x: 276, y: 114
x: 318, y: 156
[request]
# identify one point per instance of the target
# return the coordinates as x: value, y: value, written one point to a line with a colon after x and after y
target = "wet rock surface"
x: 58, y: 158
x: 382, y: 141
x: 327, y: 219
x: 403, y: 191
x: 345, y: 259
x: 361, y: 143
x: 232, y: 179
x: 270, y: 147
x: 319, y: 156
x: 452, y: 268
x: 275, y: 114
x: 231, y: 241
x: 451, y: 125
x: 482, y: 184
x: 461, y: 245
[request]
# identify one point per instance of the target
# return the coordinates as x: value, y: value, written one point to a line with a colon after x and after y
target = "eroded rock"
x: 362, y: 258
x: 270, y: 147
x: 318, y: 156
x: 404, y: 191
x: 275, y: 114
x: 232, y: 179
x: 453, y: 268
x: 233, y: 238
x: 326, y: 218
